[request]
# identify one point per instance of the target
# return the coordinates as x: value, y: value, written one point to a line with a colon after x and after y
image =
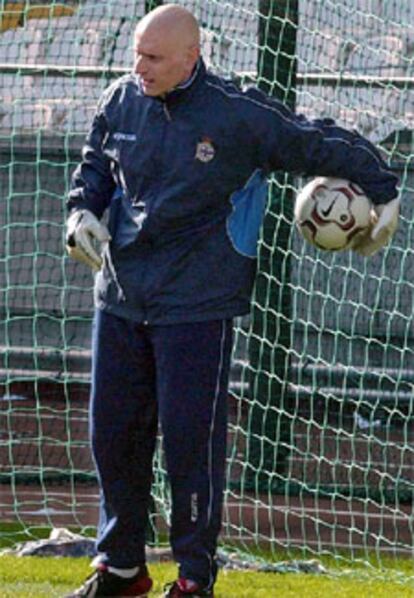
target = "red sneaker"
x: 103, y: 583
x: 187, y: 588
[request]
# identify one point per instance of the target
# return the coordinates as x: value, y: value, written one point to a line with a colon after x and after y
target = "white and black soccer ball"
x: 332, y: 213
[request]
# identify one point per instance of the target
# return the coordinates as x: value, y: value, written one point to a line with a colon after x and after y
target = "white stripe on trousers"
x: 213, y: 417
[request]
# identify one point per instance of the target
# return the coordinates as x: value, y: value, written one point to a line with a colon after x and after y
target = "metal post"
x: 269, y: 424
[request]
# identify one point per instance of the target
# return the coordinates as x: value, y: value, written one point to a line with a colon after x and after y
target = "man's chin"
x: 150, y: 90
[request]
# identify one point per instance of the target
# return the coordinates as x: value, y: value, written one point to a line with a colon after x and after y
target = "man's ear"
x: 193, y: 54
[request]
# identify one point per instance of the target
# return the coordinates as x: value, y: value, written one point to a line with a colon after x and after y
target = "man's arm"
x: 92, y: 183
x: 91, y: 190
x: 319, y: 147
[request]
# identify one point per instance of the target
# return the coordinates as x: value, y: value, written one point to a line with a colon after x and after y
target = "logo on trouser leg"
x: 194, y: 507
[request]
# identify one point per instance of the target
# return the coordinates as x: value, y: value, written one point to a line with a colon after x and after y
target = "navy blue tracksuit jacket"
x: 192, y: 169
x: 184, y: 178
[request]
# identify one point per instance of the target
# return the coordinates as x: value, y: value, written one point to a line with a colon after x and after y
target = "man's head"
x: 167, y: 47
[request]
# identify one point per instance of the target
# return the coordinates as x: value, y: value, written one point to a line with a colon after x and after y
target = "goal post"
x: 321, y: 429
x: 267, y: 429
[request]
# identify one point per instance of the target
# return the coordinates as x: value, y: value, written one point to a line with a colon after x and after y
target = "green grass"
x: 40, y: 577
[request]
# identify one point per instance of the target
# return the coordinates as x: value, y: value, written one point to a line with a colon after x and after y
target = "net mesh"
x: 321, y: 431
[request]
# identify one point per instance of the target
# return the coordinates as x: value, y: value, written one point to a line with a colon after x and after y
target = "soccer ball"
x: 333, y: 213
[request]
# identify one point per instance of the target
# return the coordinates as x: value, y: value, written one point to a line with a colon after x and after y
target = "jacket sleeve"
x: 92, y: 184
x: 292, y: 143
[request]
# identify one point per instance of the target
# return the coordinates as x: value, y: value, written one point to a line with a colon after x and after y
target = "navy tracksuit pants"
x: 177, y: 375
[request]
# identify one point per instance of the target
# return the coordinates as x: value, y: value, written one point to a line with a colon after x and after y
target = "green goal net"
x: 321, y: 432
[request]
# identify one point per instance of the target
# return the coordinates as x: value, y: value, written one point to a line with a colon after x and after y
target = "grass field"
x: 40, y: 577
x: 50, y: 577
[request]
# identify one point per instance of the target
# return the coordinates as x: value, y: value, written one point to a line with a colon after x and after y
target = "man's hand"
x: 382, y: 230
x: 82, y: 227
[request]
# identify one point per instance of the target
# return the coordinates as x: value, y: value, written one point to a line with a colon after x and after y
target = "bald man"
x: 179, y: 158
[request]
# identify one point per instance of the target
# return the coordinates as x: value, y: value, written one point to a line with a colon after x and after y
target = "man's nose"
x: 140, y: 65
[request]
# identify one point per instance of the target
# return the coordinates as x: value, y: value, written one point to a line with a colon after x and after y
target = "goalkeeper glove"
x: 82, y: 227
x: 382, y: 230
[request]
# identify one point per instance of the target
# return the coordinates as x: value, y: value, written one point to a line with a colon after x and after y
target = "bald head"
x: 174, y: 20
x: 167, y: 47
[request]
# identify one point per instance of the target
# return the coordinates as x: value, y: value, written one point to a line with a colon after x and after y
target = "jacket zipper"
x: 167, y: 112
x: 168, y: 117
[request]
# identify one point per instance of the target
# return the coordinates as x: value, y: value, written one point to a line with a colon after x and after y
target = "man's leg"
x: 123, y: 433
x: 192, y: 385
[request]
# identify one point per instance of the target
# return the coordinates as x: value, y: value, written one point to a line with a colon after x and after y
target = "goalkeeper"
x: 179, y: 158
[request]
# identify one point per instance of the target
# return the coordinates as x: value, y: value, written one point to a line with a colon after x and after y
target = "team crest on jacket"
x: 205, y: 151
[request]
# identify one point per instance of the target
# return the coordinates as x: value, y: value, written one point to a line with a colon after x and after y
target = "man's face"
x: 162, y: 61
